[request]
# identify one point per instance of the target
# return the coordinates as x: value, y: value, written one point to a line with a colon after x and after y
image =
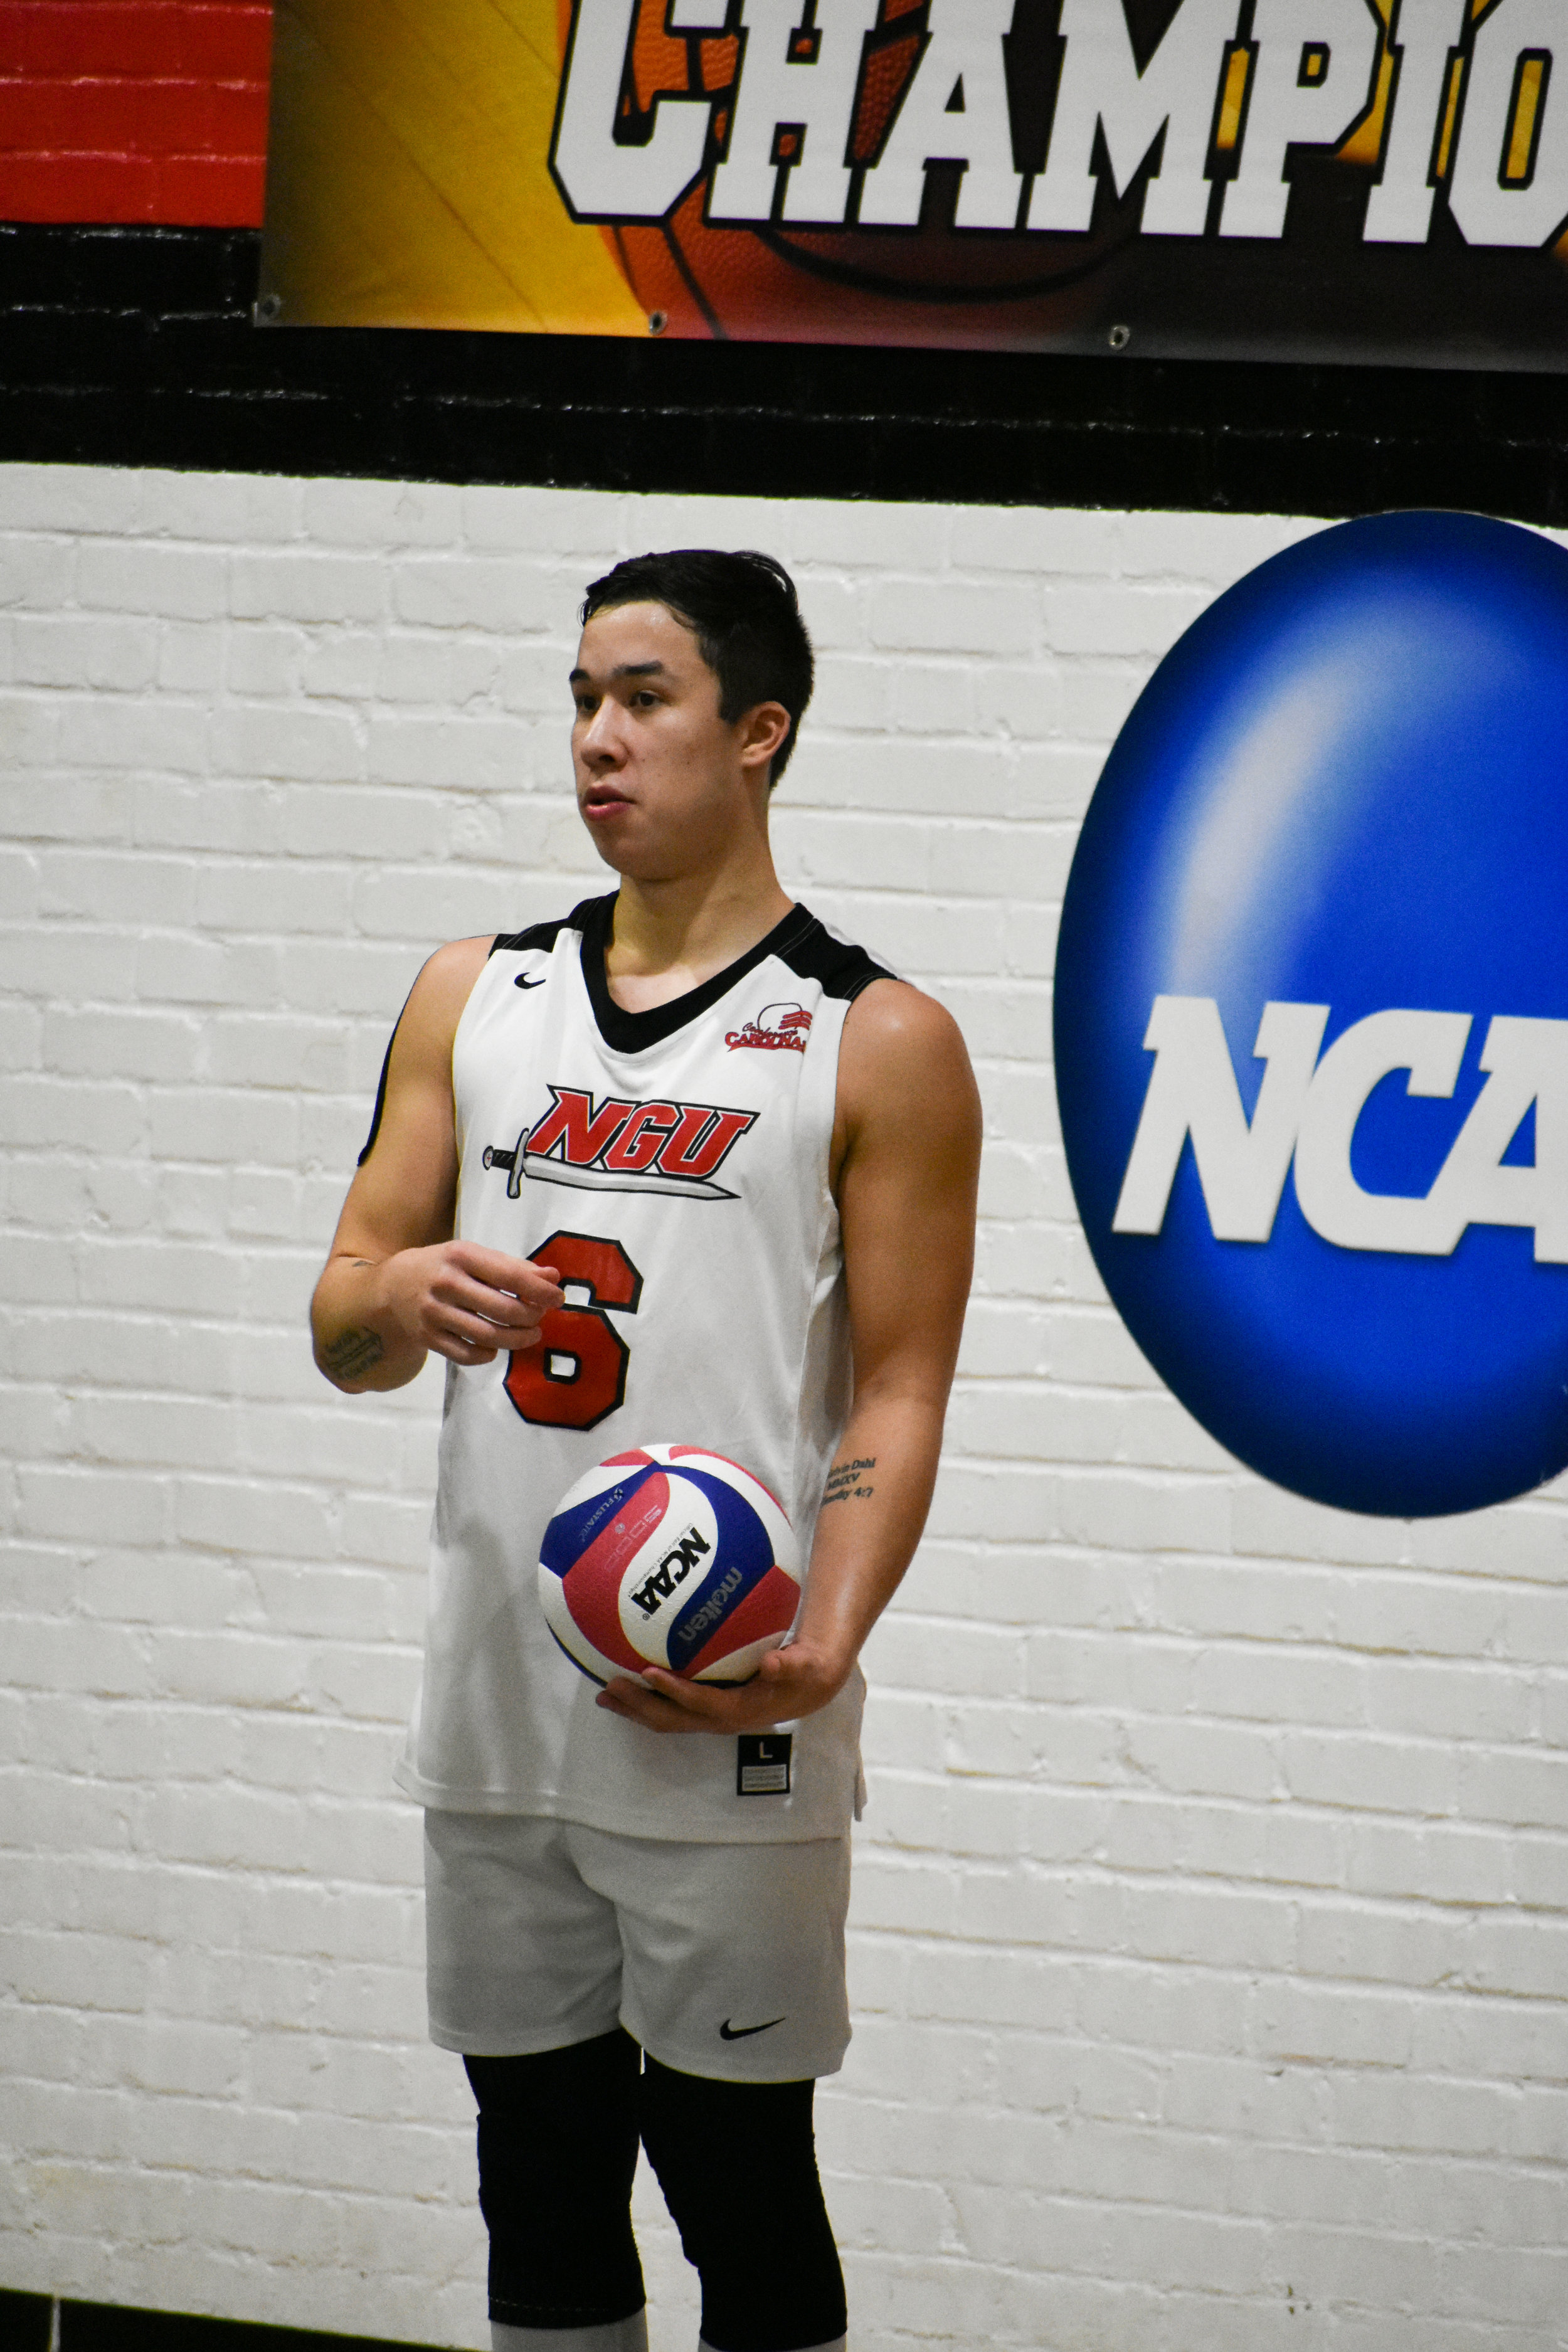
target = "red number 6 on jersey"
x: 577, y: 1373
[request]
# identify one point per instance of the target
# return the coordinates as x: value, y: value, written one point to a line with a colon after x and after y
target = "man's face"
x: 662, y: 780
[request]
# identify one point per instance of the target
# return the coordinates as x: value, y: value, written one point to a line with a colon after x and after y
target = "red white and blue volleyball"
x: 670, y: 1555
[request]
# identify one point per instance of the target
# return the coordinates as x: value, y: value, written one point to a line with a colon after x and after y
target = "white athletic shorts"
x: 723, y: 1961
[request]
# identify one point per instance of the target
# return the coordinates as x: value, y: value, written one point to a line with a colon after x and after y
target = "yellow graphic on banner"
x: 408, y: 182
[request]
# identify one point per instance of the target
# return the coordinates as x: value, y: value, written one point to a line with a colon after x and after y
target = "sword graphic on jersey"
x: 620, y: 1146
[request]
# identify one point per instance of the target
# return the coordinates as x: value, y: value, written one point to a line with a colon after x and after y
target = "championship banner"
x: 1371, y: 180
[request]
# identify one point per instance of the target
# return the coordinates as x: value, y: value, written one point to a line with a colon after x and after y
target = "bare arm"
x: 396, y: 1284
x: 908, y: 1147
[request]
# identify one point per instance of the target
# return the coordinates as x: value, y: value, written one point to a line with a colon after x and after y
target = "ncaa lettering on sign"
x: 1312, y: 1016
x: 1306, y: 1117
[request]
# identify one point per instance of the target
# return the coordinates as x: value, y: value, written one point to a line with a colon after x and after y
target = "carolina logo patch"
x: 618, y: 1146
x: 777, y: 1028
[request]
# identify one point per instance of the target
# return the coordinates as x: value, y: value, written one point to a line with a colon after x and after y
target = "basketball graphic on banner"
x: 703, y: 273
x: 670, y: 1555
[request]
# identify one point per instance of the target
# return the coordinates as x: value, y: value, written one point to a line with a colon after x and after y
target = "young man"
x: 680, y: 1168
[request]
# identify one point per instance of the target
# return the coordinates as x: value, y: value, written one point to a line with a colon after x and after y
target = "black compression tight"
x: 736, y: 2161
x: 558, y: 2148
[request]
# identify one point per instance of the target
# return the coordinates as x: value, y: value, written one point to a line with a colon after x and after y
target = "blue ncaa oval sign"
x: 1312, y: 1016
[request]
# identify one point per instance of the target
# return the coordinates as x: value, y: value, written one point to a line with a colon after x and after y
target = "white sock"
x: 610, y: 2335
x: 838, y: 2344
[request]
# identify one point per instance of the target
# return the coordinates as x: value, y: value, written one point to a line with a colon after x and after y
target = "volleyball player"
x: 679, y: 1166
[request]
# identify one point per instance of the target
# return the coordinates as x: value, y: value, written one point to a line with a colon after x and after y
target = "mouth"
x: 601, y: 801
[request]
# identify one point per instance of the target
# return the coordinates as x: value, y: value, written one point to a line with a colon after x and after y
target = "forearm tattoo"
x: 352, y: 1352
x: 850, y: 1482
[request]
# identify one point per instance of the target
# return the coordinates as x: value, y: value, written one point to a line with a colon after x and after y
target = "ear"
x: 763, y: 732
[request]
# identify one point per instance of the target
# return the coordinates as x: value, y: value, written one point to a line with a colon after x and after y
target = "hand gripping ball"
x: 671, y: 1557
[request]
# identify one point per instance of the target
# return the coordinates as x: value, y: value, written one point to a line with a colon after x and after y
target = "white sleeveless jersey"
x: 673, y: 1165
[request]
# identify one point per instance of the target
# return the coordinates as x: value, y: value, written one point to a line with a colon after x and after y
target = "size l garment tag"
x: 762, y: 1763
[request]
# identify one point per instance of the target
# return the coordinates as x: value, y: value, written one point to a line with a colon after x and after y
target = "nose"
x: 600, y: 742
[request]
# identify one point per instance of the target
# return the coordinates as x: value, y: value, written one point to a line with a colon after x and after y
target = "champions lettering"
x: 1306, y: 1115
x: 1477, y: 103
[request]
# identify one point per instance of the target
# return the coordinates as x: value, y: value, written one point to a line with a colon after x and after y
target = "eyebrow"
x: 625, y: 670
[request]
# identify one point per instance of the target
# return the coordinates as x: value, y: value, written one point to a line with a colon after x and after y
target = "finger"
x: 626, y: 1688
x: 690, y: 1696
x: 635, y: 1705
x: 727, y: 1708
x: 461, y: 1282
x: 477, y: 1330
x: 495, y: 1308
x: 484, y: 1329
x: 499, y: 1271
x: 461, y: 1352
x: 667, y: 1689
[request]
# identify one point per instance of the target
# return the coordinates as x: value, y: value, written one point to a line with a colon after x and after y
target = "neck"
x: 671, y: 936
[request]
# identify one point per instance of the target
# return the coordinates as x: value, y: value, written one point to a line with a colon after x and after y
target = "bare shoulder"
x: 891, y: 1017
x: 895, y: 1035
x: 436, y: 999
x: 448, y: 975
x: 903, y: 1064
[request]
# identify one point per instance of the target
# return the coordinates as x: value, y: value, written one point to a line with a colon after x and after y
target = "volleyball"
x: 670, y: 1555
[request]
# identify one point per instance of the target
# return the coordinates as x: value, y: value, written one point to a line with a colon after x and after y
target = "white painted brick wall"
x: 1209, y: 1918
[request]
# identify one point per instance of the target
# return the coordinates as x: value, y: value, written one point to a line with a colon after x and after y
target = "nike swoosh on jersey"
x: 522, y: 981
x: 728, y: 2032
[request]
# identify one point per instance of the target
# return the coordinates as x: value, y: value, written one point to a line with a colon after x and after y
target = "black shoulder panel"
x: 544, y: 935
x: 841, y: 969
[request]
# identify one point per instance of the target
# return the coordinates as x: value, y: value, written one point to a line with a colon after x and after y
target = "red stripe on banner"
x: 212, y: 190
x: 136, y: 118
x: 134, y: 110
x: 212, y: 41
x: 78, y: 187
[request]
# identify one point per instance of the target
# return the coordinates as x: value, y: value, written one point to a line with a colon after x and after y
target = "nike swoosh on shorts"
x: 728, y: 2032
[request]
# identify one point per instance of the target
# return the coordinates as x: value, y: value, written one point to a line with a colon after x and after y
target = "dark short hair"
x: 742, y: 610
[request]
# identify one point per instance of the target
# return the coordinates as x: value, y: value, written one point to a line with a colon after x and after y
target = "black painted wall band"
x: 37, y: 2323
x: 136, y: 347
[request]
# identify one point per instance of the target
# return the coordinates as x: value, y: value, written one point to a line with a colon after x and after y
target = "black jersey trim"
x: 839, y: 968
x: 376, y: 1115
x: 541, y: 935
x: 799, y: 940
